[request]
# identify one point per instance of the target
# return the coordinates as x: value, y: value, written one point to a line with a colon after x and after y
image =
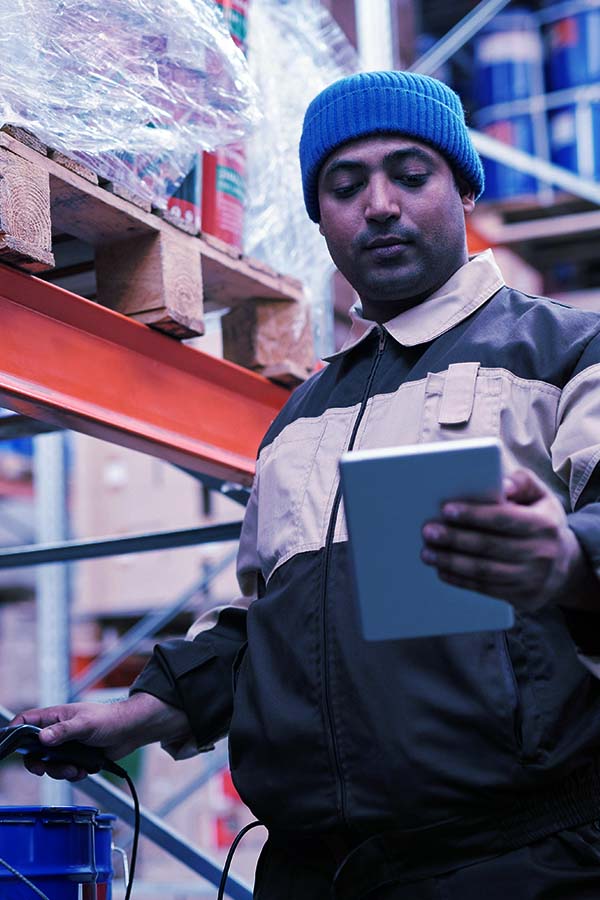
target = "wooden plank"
x: 25, y: 137
x: 126, y: 193
x: 220, y: 245
x: 287, y: 373
x: 156, y: 279
x: 73, y: 165
x: 229, y: 281
x: 83, y: 209
x: 274, y: 339
x: 25, y: 231
x: 23, y: 255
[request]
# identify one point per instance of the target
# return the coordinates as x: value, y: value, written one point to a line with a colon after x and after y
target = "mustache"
x: 402, y: 235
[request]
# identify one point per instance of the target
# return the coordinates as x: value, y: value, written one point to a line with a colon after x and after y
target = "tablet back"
x: 388, y: 496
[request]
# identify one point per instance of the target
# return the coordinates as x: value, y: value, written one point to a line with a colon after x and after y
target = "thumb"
x: 66, y: 730
x: 55, y: 734
x: 63, y: 723
x: 524, y: 487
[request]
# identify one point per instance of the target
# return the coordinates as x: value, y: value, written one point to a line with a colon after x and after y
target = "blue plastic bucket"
x: 508, y: 59
x: 503, y: 181
x: 103, y: 845
x: 572, y: 32
x: 53, y: 847
x: 574, y: 132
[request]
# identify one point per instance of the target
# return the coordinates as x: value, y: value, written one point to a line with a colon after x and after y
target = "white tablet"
x: 388, y: 496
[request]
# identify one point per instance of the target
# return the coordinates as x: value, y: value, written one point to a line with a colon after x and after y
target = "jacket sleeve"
x: 576, y: 459
x: 195, y: 675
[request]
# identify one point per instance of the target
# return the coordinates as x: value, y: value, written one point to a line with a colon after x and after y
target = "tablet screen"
x: 388, y: 496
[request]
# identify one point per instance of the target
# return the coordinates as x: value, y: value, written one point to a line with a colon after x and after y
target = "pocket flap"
x: 458, y: 395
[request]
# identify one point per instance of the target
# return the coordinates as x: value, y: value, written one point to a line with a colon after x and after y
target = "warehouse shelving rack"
x: 69, y: 362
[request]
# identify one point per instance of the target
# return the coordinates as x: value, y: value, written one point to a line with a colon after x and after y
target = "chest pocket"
x: 463, y: 401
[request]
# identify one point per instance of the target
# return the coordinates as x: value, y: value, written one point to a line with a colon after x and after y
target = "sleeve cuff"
x: 196, y: 677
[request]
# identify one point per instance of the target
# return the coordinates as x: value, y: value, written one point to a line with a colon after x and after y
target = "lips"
x: 390, y: 241
x: 385, y: 249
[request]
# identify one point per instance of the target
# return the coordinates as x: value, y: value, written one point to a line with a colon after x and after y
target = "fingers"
x: 41, y: 717
x: 505, y: 518
x: 521, y: 512
x: 439, y: 535
x: 474, y: 569
x: 58, y: 771
x: 58, y: 723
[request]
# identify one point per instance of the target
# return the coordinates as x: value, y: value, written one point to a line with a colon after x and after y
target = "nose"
x: 383, y: 202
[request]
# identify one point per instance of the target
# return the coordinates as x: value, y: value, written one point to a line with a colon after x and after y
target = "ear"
x: 468, y: 202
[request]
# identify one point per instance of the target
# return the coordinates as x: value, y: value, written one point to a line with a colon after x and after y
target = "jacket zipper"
x: 327, y: 560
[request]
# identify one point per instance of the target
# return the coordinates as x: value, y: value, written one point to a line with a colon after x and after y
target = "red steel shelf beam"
x: 78, y: 365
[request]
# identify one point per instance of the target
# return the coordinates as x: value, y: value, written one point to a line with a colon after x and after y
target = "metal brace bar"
x: 147, y: 626
x: 16, y: 426
x: 458, y: 36
x: 93, y: 370
x: 67, y: 551
x: 533, y: 165
x: 229, y: 489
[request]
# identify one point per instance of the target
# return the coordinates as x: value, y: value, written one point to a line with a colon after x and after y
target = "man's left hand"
x: 519, y: 549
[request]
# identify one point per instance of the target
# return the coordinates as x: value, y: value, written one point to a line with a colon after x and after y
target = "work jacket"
x: 328, y: 730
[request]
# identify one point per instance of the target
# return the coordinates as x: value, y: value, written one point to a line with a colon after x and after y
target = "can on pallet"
x: 572, y: 33
x: 508, y: 59
x: 223, y: 171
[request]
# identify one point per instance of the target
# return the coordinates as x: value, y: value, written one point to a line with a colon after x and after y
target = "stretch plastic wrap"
x: 132, y: 87
x: 295, y: 50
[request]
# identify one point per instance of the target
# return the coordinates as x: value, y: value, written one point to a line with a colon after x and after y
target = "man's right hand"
x: 117, y: 728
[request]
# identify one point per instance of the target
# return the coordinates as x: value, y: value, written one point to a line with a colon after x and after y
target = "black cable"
x: 118, y: 770
x: 232, y: 849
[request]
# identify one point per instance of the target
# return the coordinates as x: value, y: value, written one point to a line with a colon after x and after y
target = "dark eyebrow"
x: 389, y: 159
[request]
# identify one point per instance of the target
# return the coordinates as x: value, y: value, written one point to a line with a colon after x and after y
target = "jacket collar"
x: 468, y: 289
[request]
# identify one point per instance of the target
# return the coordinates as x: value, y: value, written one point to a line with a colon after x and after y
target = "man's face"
x: 393, y: 219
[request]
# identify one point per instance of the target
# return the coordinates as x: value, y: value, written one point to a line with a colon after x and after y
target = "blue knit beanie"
x: 380, y: 102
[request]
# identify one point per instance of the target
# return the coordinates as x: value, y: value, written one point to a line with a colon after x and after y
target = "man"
x: 449, y: 767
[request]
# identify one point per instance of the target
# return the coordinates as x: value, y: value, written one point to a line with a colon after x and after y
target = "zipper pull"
x: 382, y: 336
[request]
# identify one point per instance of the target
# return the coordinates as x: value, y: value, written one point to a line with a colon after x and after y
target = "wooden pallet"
x: 145, y: 264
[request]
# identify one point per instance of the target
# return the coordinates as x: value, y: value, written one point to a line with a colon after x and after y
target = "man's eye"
x: 345, y: 190
x: 412, y: 179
